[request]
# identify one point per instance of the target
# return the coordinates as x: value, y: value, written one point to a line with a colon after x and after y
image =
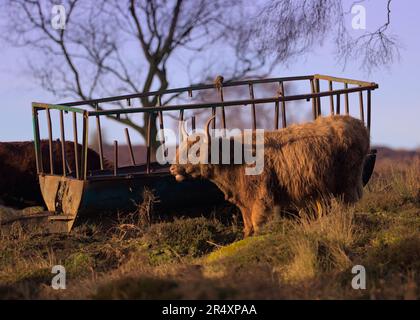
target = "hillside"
x: 309, y: 257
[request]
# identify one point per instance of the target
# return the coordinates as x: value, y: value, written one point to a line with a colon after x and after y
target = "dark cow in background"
x: 19, y: 185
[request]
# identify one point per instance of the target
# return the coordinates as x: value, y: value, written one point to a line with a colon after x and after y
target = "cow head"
x: 182, y: 170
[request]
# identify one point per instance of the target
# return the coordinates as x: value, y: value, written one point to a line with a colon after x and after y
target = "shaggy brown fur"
x: 18, y: 176
x: 302, y: 164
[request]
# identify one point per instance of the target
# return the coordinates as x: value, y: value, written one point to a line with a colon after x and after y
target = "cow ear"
x: 207, y: 128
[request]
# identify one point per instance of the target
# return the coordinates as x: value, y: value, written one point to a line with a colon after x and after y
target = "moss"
x: 78, y: 264
x: 38, y: 276
x: 138, y: 288
x: 32, y: 210
x: 245, y: 249
x: 187, y: 237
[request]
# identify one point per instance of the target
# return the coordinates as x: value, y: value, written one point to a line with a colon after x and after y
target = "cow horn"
x: 184, y: 133
x: 207, y: 127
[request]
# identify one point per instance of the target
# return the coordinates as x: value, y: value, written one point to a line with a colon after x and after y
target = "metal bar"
x: 338, y: 104
x: 160, y: 114
x: 362, y: 111
x: 101, y: 152
x: 318, y: 100
x: 223, y: 109
x: 228, y: 103
x: 213, y: 114
x: 149, y: 128
x: 283, y: 107
x: 43, y: 106
x: 183, y: 89
x: 37, y: 142
x: 115, y: 157
x: 130, y: 147
x: 181, y: 115
x: 314, y: 113
x: 343, y: 80
x: 180, y: 122
x: 84, y: 165
x: 63, y: 143
x: 346, y: 100
x: 276, y: 115
x: 283, y: 116
x: 369, y: 106
x: 251, y: 94
x: 193, y: 123
x: 50, y: 142
x: 76, y: 146
x: 330, y: 87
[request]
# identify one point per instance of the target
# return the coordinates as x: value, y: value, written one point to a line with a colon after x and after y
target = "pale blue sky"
x: 396, y: 104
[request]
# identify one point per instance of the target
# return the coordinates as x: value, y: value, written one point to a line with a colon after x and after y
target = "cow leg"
x: 246, y: 216
x: 259, y: 214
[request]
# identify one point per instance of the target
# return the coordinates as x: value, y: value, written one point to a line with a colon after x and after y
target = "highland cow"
x: 303, y: 164
x: 18, y: 175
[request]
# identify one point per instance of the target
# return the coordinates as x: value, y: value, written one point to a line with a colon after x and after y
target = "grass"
x: 309, y: 257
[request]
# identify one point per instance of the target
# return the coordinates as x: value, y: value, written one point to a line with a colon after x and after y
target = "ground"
x: 308, y: 257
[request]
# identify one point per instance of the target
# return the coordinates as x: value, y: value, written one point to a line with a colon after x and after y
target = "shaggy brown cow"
x: 302, y: 164
x: 18, y: 176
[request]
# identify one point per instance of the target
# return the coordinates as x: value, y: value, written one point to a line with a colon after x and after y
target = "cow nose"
x: 172, y: 170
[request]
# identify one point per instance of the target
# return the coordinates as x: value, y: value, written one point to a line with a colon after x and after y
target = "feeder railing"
x: 278, y: 99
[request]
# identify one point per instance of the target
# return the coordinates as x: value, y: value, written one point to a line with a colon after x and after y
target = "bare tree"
x: 110, y: 47
x: 374, y: 49
x: 120, y: 46
x: 284, y: 29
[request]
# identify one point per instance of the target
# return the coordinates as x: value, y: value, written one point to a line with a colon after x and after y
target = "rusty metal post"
x: 330, y: 87
x: 148, y: 139
x: 50, y: 142
x: 160, y: 114
x: 223, y: 109
x: 369, y: 106
x: 193, y: 123
x: 101, y: 152
x: 338, y: 104
x: 115, y: 157
x: 362, y: 111
x: 76, y: 145
x: 84, y: 164
x: 276, y: 115
x: 283, y: 107
x: 63, y: 143
x: 213, y: 114
x: 180, y: 122
x: 130, y: 147
x: 318, y: 100
x: 37, y: 141
x: 346, y: 101
x: 314, y: 108
x: 254, y: 118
